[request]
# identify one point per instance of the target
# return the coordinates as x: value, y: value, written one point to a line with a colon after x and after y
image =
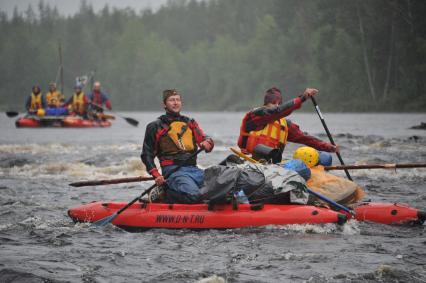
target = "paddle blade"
x: 105, y: 116
x: 105, y: 221
x: 11, y: 114
x: 77, y: 184
x: 131, y: 121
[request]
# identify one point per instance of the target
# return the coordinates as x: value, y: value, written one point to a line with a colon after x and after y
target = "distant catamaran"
x: 52, y: 117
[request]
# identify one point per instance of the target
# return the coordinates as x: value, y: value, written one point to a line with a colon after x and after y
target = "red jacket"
x: 258, y: 118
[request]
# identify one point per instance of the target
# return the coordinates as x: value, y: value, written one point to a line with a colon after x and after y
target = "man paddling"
x: 267, y: 126
x: 35, y: 101
x: 78, y: 102
x: 172, y: 138
x: 54, y: 98
x: 98, y: 98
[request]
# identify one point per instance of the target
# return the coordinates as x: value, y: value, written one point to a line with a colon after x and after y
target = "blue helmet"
x: 325, y: 159
x: 298, y: 166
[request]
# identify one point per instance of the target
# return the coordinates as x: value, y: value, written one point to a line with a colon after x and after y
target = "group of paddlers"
x: 53, y: 103
x: 174, y: 139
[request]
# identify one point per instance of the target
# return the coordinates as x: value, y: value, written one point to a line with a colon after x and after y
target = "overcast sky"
x: 69, y: 7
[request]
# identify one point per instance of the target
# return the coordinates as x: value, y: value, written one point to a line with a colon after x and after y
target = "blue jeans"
x: 184, y: 184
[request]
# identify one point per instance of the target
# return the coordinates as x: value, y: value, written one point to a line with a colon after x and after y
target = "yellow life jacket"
x: 54, y: 98
x: 273, y: 135
x: 178, y: 138
x: 78, y: 104
x: 36, y: 102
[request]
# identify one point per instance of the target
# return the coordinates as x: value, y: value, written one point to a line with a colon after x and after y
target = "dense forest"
x: 222, y: 54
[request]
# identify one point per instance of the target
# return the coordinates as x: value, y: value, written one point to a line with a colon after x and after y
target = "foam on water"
x: 349, y: 228
x: 64, y: 148
x: 62, y: 169
x: 6, y: 226
x: 50, y: 148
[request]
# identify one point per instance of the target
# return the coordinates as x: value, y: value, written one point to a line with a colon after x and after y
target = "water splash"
x: 349, y: 228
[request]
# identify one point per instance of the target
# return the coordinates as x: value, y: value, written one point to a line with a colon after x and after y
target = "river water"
x: 39, y: 243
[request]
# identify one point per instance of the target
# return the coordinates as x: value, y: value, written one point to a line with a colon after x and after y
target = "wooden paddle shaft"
x: 374, y: 166
x: 111, y: 181
x: 242, y: 155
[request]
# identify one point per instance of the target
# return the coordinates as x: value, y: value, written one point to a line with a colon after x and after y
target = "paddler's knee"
x: 173, y: 196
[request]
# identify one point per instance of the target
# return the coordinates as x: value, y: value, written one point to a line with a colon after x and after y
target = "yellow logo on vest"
x: 181, y: 135
x: 178, y: 138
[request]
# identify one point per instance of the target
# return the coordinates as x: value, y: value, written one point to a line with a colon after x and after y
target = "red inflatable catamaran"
x: 65, y: 122
x: 141, y: 216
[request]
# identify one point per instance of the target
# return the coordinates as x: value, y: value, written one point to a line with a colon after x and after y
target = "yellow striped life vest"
x: 36, y: 102
x: 78, y: 103
x: 273, y: 135
x: 54, y: 98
